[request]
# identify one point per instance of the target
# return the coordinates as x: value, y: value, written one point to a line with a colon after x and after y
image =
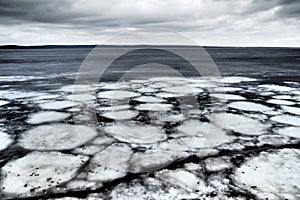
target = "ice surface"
x: 154, y: 107
x: 39, y: 171
x: 280, y: 102
x: 283, y: 97
x: 135, y: 133
x: 149, y: 99
x: 228, y: 96
x: 3, y: 103
x: 249, y: 106
x: 277, y: 88
x: 290, y: 132
x: 227, y: 89
x: 5, y: 140
x: 271, y: 175
x: 234, y: 79
x: 57, y: 137
x: 47, y: 116
x: 287, y: 119
x: 81, y: 97
x: 120, y: 115
x: 117, y: 94
x: 76, y: 88
x: 239, y: 123
x: 216, y: 164
x: 142, y: 162
x: 168, y: 95
x: 114, y: 107
x: 185, y: 89
x: 183, y: 179
x: 110, y: 163
x: 57, y: 105
x: 291, y: 110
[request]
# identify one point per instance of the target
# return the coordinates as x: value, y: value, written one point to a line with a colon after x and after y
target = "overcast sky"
x: 208, y: 22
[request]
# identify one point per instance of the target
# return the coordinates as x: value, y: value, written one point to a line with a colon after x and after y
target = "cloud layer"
x: 208, y: 22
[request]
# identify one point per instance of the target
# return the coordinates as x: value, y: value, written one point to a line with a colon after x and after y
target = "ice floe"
x: 291, y: 110
x: 182, y: 90
x: 57, y: 105
x: 113, y: 107
x: 110, y: 163
x: 168, y: 95
x: 5, y: 140
x: 3, y: 103
x: 280, y: 102
x: 47, y: 116
x: 240, y: 124
x: 135, y: 133
x: 227, y: 89
x: 183, y: 179
x: 154, y: 107
x: 36, y: 172
x: 249, y: 106
x: 287, y: 119
x: 149, y: 99
x: 227, y: 96
x: 276, y: 87
x: 288, y: 97
x: 233, y: 79
x: 290, y: 132
x: 117, y: 94
x: 271, y: 175
x: 142, y: 162
x: 57, y: 137
x: 81, y: 97
x: 216, y: 164
x: 120, y: 115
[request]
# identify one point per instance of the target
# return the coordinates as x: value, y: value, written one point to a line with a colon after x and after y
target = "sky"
x: 207, y: 22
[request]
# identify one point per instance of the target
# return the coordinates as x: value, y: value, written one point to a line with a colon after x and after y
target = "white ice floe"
x: 117, y: 94
x: 76, y: 88
x: 14, y: 94
x: 38, y: 171
x: 149, y: 161
x: 249, y: 106
x: 290, y: 132
x: 271, y: 175
x: 146, y: 90
x: 185, y: 89
x: 110, y: 163
x: 169, y: 117
x: 114, y: 86
x: 240, y: 124
x: 168, y: 95
x: 279, y: 88
x: 288, y: 97
x: 216, y: 164
x: 120, y: 115
x: 114, y: 107
x: 291, y: 110
x: 57, y: 105
x: 197, y: 128
x: 149, y: 99
x: 79, y: 185
x: 135, y: 133
x: 154, y: 107
x: 227, y: 96
x: 233, y: 79
x: 3, y: 103
x: 227, y: 89
x: 5, y: 140
x: 47, y: 96
x: 280, y: 102
x: 47, y: 116
x: 183, y: 179
x: 81, y: 97
x: 57, y: 137
x: 287, y: 119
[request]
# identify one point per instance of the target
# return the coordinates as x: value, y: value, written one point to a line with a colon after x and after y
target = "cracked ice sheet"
x: 271, y: 175
x: 36, y: 172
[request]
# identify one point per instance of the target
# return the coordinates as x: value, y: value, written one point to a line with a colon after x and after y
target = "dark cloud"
x: 201, y: 18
